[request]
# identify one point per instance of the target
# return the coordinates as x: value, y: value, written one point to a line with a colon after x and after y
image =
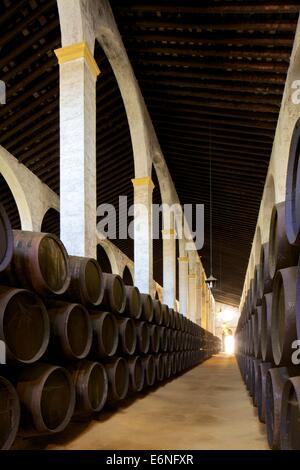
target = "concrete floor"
x: 206, y: 408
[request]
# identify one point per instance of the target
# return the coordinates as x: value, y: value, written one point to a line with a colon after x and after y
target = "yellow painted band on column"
x: 77, y: 51
x: 169, y: 231
x: 183, y: 259
x: 144, y: 181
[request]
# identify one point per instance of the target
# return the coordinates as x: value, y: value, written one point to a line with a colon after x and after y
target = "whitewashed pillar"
x: 183, y: 265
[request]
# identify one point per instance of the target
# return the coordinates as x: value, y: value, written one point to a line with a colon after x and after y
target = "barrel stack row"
x: 269, y: 326
x: 77, y: 338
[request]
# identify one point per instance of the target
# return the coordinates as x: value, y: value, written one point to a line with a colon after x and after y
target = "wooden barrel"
x: 177, y: 320
x: 136, y: 374
x: 163, y: 338
x: 283, y: 322
x: 257, y: 331
x: 292, y: 200
x: 255, y: 378
x: 276, y: 379
x: 147, y: 307
x: 143, y: 337
x: 265, y: 333
x: 127, y: 335
x: 133, y: 306
x: 159, y: 364
x: 86, y: 285
x: 24, y: 325
x: 172, y: 318
x: 168, y: 365
x: 281, y: 253
x: 264, y: 279
x: 154, y: 338
x: 166, y: 315
x: 118, y: 378
x: 290, y: 415
x: 6, y: 240
x: 105, y: 334
x: 91, y: 386
x: 157, y: 312
x: 40, y: 262
x: 114, y: 299
x: 256, y: 296
x: 47, y: 397
x: 149, y: 369
x: 261, y: 389
x: 173, y: 363
x: 71, y: 331
x: 9, y: 414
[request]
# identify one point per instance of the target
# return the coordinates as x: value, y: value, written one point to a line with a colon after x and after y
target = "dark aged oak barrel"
x: 154, y: 338
x: 86, y: 285
x: 255, y: 380
x: 157, y: 312
x: 6, y: 240
x: 40, y: 262
x: 166, y: 315
x: 261, y: 389
x: 168, y: 365
x: 174, y: 363
x: 292, y: 199
x: 172, y: 318
x: 143, y: 337
x: 149, y: 369
x: 276, y: 379
x: 9, y: 414
x: 163, y: 338
x: 136, y: 374
x: 177, y: 321
x: 281, y: 253
x: 127, y: 335
x: 118, y: 378
x: 256, y: 299
x: 24, y: 325
x: 264, y: 279
x: 147, y: 307
x: 133, y: 306
x: 105, y: 334
x: 266, y: 319
x: 159, y: 364
x: 47, y: 397
x: 257, y: 331
x: 114, y: 299
x: 71, y: 331
x: 91, y: 386
x: 290, y: 415
x: 283, y: 322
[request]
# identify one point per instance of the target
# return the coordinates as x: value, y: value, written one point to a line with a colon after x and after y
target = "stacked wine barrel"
x: 270, y: 320
x: 77, y: 338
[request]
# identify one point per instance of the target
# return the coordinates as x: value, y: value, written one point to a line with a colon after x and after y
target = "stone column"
x: 143, y: 244
x: 198, y: 293
x: 169, y: 266
x: 78, y: 73
x: 183, y: 265
x: 192, y: 297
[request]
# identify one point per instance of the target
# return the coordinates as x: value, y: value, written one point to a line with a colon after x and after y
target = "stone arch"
x: 8, y: 202
x: 106, y: 258
x: 257, y: 245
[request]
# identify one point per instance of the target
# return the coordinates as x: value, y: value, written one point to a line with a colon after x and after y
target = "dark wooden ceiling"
x: 212, y: 74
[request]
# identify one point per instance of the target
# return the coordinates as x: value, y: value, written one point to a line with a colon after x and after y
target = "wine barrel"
x: 159, y: 364
x: 143, y: 337
x: 147, y: 307
x: 105, y: 334
x: 136, y: 374
x: 133, y: 306
x: 173, y: 359
x: 154, y: 338
x: 276, y: 379
x: 172, y: 318
x: 281, y: 253
x: 255, y: 378
x: 283, y: 322
x: 127, y: 336
x: 265, y: 334
x: 264, y: 279
x: 47, y: 397
x: 118, y: 378
x: 290, y: 415
x: 163, y: 338
x: 40, y: 262
x: 71, y: 331
x: 6, y: 240
x: 114, y: 298
x: 261, y: 389
x: 166, y: 315
x: 9, y: 414
x: 91, y: 386
x: 24, y: 325
x: 168, y: 365
x: 257, y: 331
x: 177, y: 321
x: 149, y: 369
x: 157, y: 312
x: 256, y: 296
x: 86, y: 285
x: 292, y: 200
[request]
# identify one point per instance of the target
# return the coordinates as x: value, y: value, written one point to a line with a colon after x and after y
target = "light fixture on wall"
x: 211, y: 281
